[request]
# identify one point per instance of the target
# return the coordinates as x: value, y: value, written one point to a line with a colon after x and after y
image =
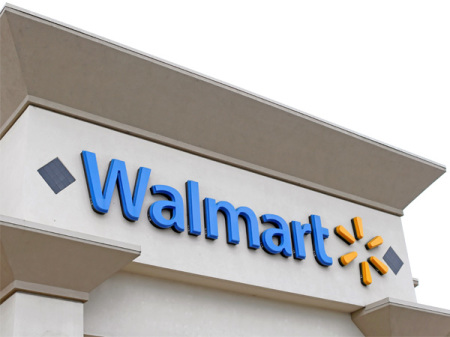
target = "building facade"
x: 142, y: 199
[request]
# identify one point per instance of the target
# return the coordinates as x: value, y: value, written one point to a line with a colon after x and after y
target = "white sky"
x: 380, y: 68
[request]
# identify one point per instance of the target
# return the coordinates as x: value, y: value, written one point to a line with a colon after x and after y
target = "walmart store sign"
x: 281, y: 238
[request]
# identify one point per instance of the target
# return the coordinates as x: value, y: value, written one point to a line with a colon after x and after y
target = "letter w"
x: 117, y: 173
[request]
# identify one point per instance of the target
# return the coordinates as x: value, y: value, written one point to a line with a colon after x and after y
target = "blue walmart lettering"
x: 281, y: 238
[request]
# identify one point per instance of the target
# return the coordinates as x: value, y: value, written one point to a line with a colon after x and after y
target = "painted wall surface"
x: 49, y: 135
x: 27, y: 315
x: 13, y: 154
x: 157, y: 307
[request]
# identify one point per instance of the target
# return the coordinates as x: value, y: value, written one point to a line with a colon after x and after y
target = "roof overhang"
x: 62, y: 69
x: 393, y: 317
x: 53, y: 261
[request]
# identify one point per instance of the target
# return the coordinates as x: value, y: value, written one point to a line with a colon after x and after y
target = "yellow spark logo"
x: 345, y: 259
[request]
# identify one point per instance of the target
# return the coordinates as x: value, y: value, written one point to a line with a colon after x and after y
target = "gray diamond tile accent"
x: 56, y: 175
x: 393, y: 260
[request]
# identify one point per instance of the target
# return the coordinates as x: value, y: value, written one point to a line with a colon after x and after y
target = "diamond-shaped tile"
x: 56, y: 175
x: 393, y: 260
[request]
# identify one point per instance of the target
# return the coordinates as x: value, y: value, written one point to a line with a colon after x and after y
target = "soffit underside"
x: 75, y: 70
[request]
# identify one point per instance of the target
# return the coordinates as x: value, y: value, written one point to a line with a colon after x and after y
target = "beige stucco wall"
x: 30, y: 315
x: 134, y: 305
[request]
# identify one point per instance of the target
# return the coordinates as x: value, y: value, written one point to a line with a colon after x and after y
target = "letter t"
x: 319, y: 234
